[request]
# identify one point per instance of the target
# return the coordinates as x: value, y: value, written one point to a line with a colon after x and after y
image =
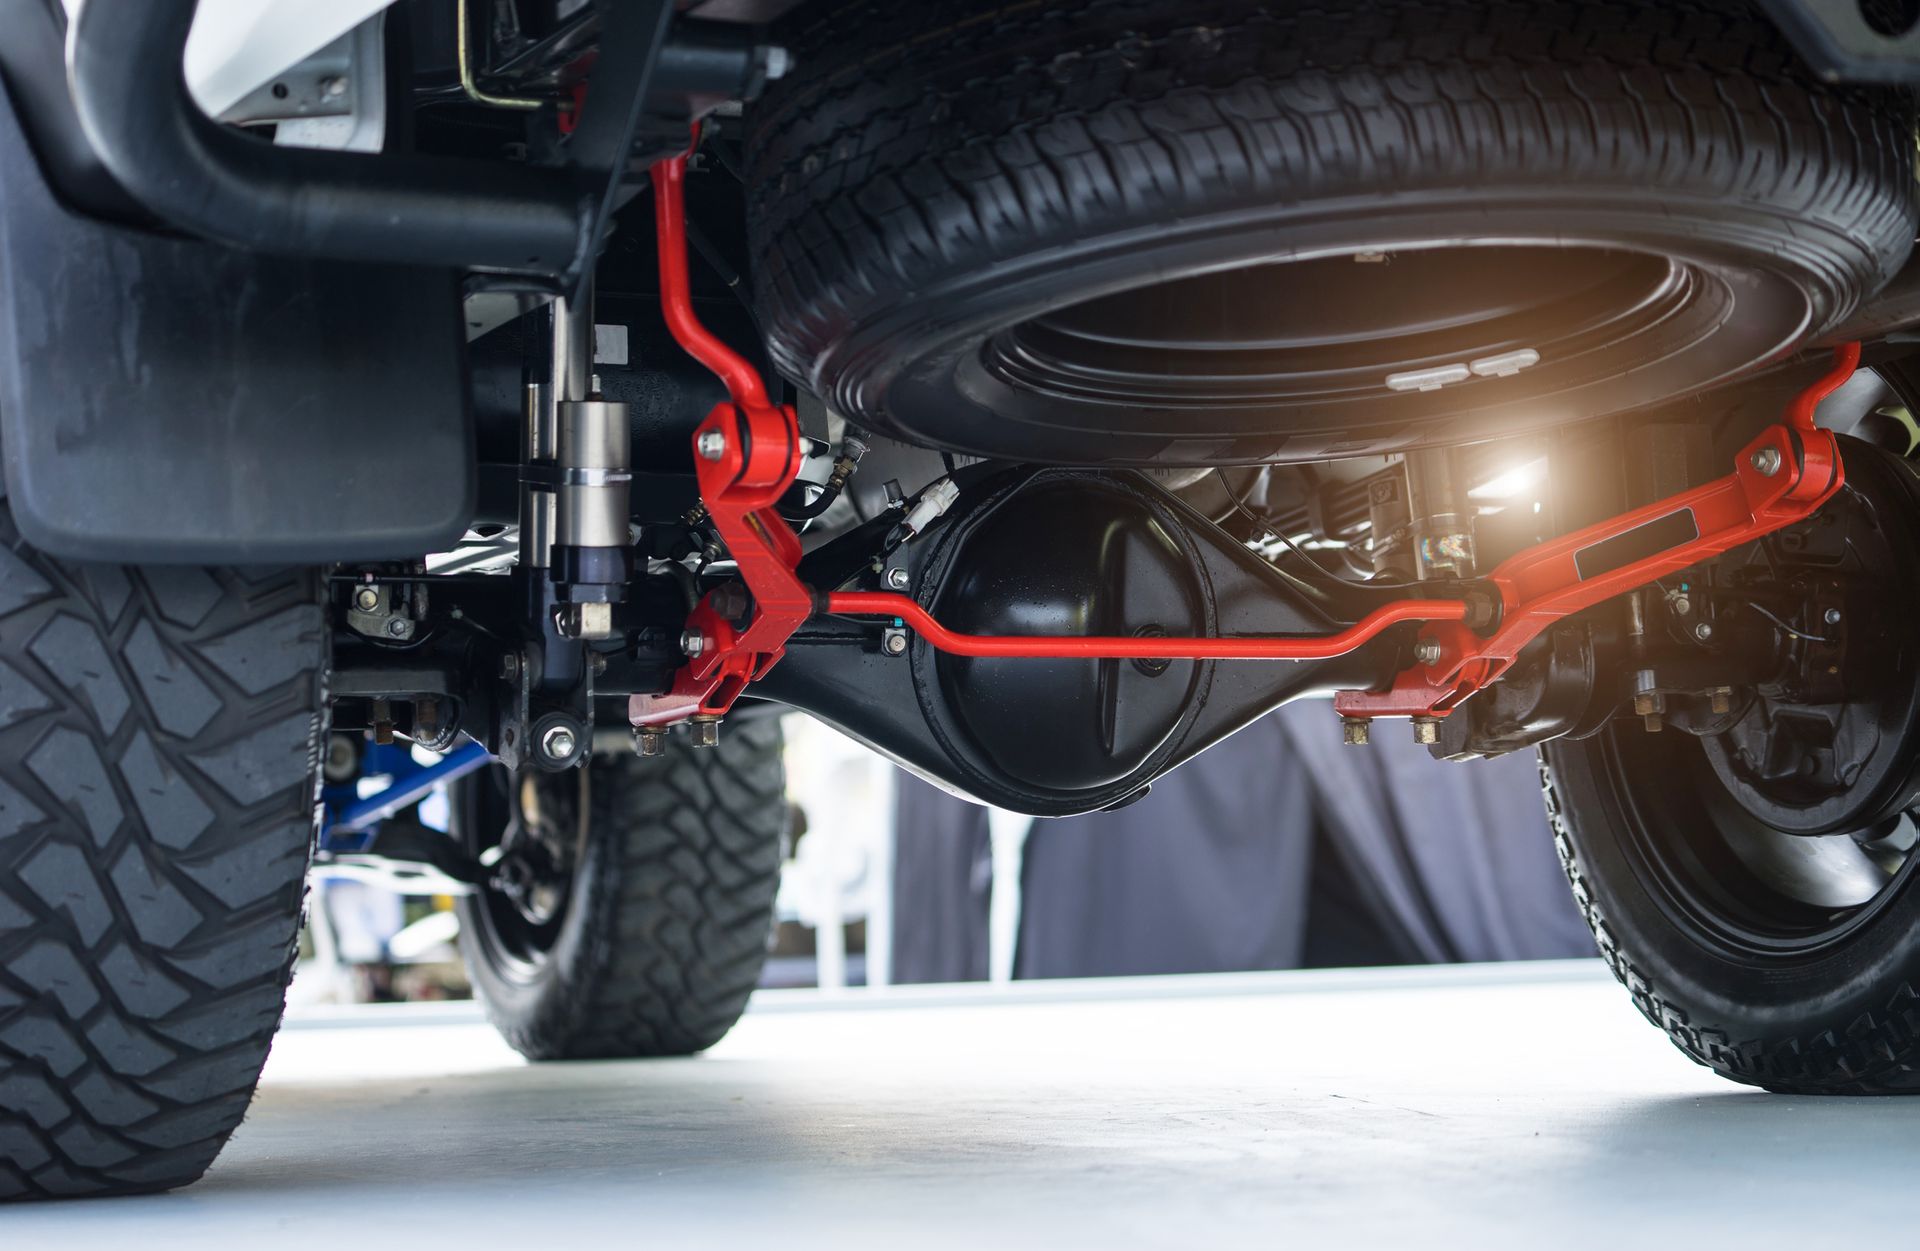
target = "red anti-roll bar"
x: 1144, y: 647
x: 747, y: 453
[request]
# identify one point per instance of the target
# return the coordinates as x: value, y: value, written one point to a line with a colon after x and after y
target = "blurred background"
x: 1281, y: 848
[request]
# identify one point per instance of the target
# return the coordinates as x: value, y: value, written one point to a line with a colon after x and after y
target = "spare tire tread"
x: 920, y: 143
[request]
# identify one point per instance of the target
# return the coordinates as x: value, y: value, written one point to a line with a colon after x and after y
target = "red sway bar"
x: 1126, y: 647
x: 747, y: 454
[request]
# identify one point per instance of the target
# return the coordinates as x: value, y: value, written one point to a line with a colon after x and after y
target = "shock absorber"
x: 591, y: 558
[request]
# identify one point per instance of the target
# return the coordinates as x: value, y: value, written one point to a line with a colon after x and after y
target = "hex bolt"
x: 1703, y: 631
x: 558, y: 742
x: 894, y: 642
x: 897, y: 578
x: 711, y: 445
x: 703, y: 730
x: 366, y: 599
x: 399, y: 627
x: 649, y: 740
x: 1355, y: 731
x: 1766, y: 461
x: 1833, y: 616
x: 692, y: 642
x: 1427, y: 651
x: 1426, y: 730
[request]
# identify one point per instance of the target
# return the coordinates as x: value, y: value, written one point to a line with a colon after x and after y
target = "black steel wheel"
x: 1754, y: 887
x: 628, y: 903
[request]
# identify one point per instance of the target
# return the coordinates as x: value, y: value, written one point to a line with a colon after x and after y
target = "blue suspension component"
x: 352, y: 821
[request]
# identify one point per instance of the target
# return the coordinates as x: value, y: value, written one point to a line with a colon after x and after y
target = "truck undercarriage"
x: 1038, y: 396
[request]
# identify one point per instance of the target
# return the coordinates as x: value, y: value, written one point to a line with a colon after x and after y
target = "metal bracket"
x: 1780, y: 478
x: 746, y: 454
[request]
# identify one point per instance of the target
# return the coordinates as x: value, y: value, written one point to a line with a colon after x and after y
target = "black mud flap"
x: 168, y: 400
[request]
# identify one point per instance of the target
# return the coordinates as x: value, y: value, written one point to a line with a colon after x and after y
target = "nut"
x: 711, y: 445
x: 558, y: 742
x: 1703, y: 631
x: 649, y: 740
x: 1427, y: 651
x: 703, y: 730
x: 692, y: 642
x: 1766, y: 461
x: 897, y: 578
x: 510, y: 666
x: 1355, y: 731
x: 1426, y: 730
x: 1720, y: 700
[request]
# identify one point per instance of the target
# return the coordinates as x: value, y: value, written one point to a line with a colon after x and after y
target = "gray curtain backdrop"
x: 1212, y: 870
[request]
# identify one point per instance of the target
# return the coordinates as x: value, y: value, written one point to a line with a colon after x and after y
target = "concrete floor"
x: 1483, y: 1107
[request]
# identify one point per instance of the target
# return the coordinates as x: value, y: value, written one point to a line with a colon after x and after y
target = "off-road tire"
x: 159, y: 735
x: 934, y: 174
x: 668, y: 915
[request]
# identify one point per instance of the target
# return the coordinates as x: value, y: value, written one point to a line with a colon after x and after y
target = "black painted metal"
x: 131, y: 94
x: 1073, y: 552
x: 1871, y: 41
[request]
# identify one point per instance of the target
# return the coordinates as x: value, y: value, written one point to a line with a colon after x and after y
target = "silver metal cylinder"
x: 1441, y: 515
x: 572, y: 349
x: 595, y: 482
x: 537, y: 503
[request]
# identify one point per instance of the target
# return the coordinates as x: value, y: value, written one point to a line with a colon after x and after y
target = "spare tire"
x: 1137, y: 232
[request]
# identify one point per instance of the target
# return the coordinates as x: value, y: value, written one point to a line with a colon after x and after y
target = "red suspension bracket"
x: 747, y: 454
x: 1780, y: 478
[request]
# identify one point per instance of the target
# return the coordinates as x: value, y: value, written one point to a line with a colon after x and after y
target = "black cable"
x: 1265, y: 525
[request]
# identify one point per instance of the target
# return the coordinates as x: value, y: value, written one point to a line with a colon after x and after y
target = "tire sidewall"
x: 1787, y: 1020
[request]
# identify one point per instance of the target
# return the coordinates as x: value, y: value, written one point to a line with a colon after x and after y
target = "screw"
x: 704, y: 730
x: 711, y: 445
x: 366, y: 599
x: 1355, y: 731
x: 1833, y: 616
x: 558, y: 742
x: 649, y: 740
x: 399, y: 627
x: 1703, y: 631
x: 1766, y: 461
x: 692, y: 642
x: 1426, y: 730
x: 898, y: 578
x: 1427, y: 651
x: 894, y: 642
